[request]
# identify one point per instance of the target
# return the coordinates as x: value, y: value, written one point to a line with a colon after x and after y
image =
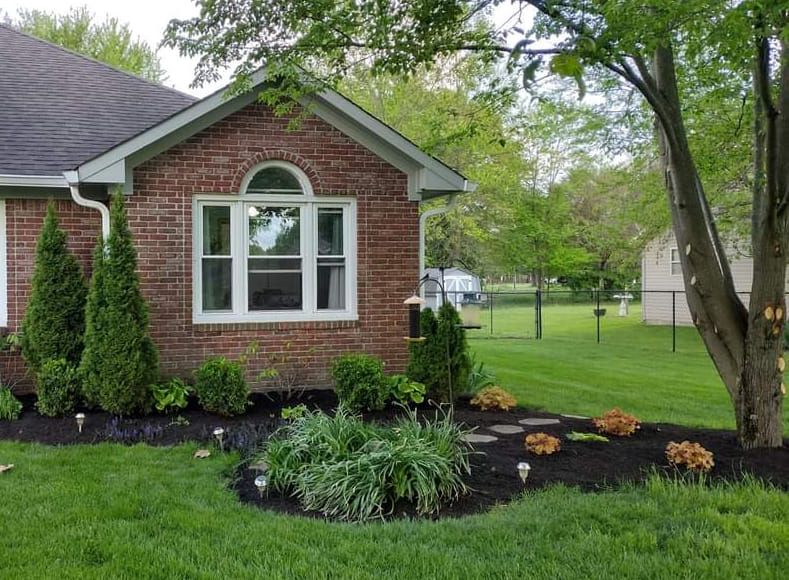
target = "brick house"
x: 305, y: 240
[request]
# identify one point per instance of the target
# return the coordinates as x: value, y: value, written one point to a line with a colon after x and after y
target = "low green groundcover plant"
x: 221, y: 387
x: 405, y: 391
x: 10, y: 407
x: 348, y: 469
x: 171, y: 395
x: 57, y: 387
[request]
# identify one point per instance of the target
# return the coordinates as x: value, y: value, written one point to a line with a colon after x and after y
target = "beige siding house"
x: 661, y: 274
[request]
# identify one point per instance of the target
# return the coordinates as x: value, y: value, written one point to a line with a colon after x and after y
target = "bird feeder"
x: 414, y: 304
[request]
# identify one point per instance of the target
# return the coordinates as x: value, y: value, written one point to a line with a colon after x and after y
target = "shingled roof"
x: 59, y: 109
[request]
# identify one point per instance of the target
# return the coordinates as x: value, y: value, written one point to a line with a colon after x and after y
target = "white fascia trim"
x: 33, y: 180
x: 425, y: 174
x: 433, y: 174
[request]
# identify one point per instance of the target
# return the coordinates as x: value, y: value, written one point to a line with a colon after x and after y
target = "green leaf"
x: 567, y: 65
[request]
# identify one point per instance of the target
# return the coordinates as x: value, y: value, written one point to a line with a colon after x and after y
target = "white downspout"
x: 90, y: 203
x: 423, y: 226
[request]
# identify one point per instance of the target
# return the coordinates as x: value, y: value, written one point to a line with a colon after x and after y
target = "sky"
x: 147, y: 19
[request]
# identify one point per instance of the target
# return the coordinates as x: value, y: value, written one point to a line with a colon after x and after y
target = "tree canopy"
x: 108, y: 41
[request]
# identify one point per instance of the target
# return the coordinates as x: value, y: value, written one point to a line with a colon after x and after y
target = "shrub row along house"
x: 305, y: 240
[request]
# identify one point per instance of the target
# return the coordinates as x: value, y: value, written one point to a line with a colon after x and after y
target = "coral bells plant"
x: 494, y: 398
x: 616, y: 422
x: 691, y: 455
x: 542, y: 444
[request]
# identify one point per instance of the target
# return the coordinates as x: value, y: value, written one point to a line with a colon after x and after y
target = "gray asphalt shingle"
x: 58, y: 109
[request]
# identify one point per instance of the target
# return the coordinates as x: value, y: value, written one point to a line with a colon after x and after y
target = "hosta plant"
x: 494, y: 398
x: 690, y: 454
x: 543, y: 444
x: 616, y: 422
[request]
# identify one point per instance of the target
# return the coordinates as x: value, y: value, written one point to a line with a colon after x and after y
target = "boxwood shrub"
x: 359, y: 381
x: 221, y: 387
x: 57, y: 387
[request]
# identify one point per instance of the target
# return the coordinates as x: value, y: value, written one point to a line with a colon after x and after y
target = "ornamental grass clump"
x: 494, y: 398
x: 616, y: 422
x: 542, y: 444
x: 347, y: 469
x: 691, y: 455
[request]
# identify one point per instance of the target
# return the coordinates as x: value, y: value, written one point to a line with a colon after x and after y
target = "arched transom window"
x: 276, y: 252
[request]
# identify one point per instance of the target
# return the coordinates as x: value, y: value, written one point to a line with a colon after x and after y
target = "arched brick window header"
x: 277, y: 155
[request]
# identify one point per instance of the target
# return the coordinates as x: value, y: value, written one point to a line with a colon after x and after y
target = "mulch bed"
x: 587, y: 465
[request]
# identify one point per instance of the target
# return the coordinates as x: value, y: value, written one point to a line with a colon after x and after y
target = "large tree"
x: 108, y: 41
x: 648, y: 46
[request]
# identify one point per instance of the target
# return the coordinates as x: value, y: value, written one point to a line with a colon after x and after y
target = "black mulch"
x: 494, y: 479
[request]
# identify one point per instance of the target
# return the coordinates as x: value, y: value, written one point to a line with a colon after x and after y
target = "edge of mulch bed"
x: 587, y: 466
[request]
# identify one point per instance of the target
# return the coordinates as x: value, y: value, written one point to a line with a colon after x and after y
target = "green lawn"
x: 108, y: 511
x: 632, y: 367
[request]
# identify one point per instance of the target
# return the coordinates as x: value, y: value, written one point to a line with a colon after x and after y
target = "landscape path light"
x: 80, y: 417
x: 523, y: 470
x: 262, y: 484
x: 219, y: 434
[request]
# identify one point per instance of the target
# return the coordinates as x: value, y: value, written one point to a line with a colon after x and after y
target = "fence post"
x: 490, y: 305
x: 537, y: 314
x: 597, y: 316
x: 673, y: 321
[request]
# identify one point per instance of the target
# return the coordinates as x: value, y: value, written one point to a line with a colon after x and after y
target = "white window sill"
x: 267, y: 318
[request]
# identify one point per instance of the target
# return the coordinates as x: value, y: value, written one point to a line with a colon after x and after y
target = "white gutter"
x: 32, y: 180
x: 73, y: 183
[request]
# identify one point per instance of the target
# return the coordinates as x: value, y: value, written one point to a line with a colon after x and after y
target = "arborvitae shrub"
x: 221, y: 387
x: 57, y: 387
x: 120, y: 361
x: 428, y: 362
x: 54, y: 322
x: 359, y: 381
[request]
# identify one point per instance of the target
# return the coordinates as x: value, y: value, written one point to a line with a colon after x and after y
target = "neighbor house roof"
x: 59, y: 109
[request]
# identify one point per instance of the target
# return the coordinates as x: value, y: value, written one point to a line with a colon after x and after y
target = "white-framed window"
x: 3, y: 268
x: 675, y: 266
x: 275, y: 253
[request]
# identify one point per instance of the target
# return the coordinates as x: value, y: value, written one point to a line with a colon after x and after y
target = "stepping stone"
x: 506, y: 429
x: 575, y: 416
x: 538, y: 422
x: 260, y: 466
x: 474, y: 438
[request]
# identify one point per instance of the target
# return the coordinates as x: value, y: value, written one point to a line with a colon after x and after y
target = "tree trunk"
x: 745, y: 345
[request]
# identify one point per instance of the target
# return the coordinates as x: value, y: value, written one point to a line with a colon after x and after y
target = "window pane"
x: 268, y: 264
x: 275, y: 291
x: 331, y: 284
x: 274, y: 180
x: 216, y: 230
x: 274, y: 231
x: 329, y: 231
x: 217, y: 284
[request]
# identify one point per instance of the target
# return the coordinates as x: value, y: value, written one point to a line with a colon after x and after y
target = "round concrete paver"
x: 575, y: 416
x: 474, y: 438
x: 506, y: 429
x: 538, y: 422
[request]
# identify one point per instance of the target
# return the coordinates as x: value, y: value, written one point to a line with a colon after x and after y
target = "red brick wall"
x: 215, y: 161
x: 24, y: 218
